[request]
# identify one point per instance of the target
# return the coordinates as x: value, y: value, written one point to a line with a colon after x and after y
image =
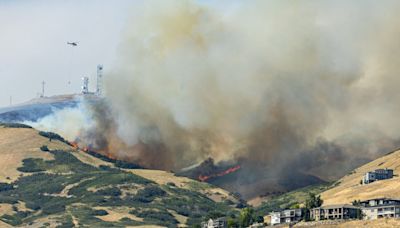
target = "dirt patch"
x: 115, y: 214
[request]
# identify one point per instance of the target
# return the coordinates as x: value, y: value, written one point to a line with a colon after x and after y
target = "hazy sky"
x: 33, y: 37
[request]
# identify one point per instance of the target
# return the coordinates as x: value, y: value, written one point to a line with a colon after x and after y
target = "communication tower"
x: 85, y: 85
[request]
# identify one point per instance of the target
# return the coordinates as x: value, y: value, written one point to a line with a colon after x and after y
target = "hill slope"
x: 63, y: 186
x: 349, y: 188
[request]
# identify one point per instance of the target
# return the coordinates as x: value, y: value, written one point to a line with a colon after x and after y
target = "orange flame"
x: 74, y: 145
x: 228, y: 171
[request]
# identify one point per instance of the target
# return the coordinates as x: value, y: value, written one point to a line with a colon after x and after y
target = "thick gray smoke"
x: 311, y: 84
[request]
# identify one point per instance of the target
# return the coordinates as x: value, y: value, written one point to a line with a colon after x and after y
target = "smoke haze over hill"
x: 308, y: 85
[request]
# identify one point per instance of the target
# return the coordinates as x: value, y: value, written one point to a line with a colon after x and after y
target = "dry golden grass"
x: 17, y: 144
x: 161, y: 177
x: 89, y: 159
x: 4, y: 225
x: 6, y: 208
x: 381, y: 223
x: 350, y: 188
x: 180, y: 218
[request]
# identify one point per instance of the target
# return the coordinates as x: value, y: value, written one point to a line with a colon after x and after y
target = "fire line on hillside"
x: 204, y: 178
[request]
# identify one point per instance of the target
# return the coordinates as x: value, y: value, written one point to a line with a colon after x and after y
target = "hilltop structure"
x: 378, y: 174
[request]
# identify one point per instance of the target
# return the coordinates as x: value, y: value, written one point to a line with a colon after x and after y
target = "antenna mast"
x: 99, y: 87
x: 85, y: 86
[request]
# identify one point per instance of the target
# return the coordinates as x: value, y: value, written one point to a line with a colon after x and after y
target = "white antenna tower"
x: 85, y: 86
x: 43, y: 83
x: 99, y: 87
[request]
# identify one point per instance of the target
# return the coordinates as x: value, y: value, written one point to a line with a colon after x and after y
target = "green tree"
x: 312, y: 201
x: 232, y: 223
x: 356, y: 203
x: 246, y: 217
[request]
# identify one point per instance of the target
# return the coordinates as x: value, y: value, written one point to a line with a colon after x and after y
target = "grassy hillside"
x: 291, y: 199
x: 59, y: 186
x: 349, y: 187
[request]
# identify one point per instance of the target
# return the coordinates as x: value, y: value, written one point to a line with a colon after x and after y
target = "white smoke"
x: 267, y: 81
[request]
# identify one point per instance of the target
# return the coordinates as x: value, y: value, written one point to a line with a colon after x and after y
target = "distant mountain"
x: 37, y: 108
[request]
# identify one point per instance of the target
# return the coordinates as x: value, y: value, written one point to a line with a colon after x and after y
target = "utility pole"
x: 43, y: 83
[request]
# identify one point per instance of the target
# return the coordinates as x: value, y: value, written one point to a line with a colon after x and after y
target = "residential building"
x: 286, y: 216
x: 331, y: 212
x: 379, y: 174
x: 215, y: 223
x: 380, y: 208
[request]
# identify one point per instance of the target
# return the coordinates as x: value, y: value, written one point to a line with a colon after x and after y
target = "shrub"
x: 6, y: 187
x: 11, y: 219
x: 148, y: 194
x: 52, y: 135
x: 126, y: 165
x: 14, y: 125
x: 161, y: 217
x: 113, y: 191
x: 30, y: 165
x: 44, y: 148
x: 53, y: 208
x: 99, y: 212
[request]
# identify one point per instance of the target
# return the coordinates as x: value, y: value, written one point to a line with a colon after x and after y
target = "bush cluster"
x: 14, y: 125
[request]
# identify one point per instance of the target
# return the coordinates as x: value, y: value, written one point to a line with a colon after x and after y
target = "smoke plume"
x: 309, y: 85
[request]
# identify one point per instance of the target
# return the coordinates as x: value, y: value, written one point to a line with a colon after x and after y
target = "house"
x: 379, y: 174
x: 332, y: 212
x: 215, y: 223
x: 380, y: 208
x: 286, y: 216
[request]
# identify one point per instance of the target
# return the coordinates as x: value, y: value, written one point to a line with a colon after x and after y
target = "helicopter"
x: 73, y: 43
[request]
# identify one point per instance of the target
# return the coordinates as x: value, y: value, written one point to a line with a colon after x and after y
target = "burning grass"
x: 204, y: 178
